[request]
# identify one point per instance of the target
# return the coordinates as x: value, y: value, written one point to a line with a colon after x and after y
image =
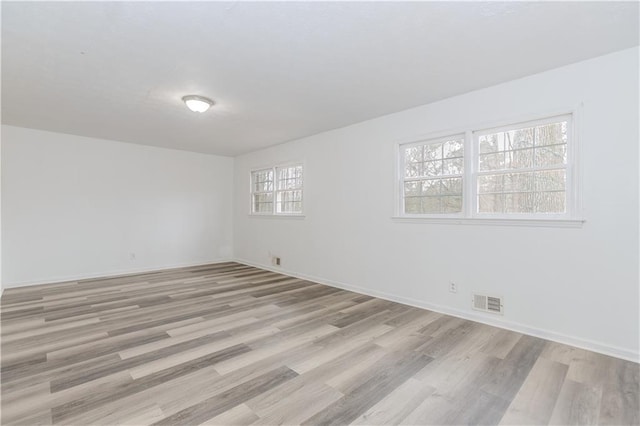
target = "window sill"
x: 546, y: 223
x: 277, y: 216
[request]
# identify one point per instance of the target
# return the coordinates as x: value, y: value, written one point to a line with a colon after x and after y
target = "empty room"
x: 320, y: 213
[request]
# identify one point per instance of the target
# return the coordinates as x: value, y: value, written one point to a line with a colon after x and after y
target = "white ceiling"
x: 278, y: 71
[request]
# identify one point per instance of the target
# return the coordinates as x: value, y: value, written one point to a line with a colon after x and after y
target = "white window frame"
x: 274, y: 169
x: 469, y: 216
x: 473, y: 195
x: 254, y: 192
x: 402, y: 179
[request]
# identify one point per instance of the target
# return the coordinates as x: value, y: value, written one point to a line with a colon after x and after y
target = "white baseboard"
x: 590, y: 345
x: 113, y: 273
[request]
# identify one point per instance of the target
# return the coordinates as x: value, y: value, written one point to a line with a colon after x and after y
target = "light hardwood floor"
x: 231, y: 344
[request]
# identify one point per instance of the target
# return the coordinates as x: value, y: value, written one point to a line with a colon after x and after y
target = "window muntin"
x: 520, y: 171
x: 523, y: 169
x: 277, y: 190
x: 433, y: 176
x: 289, y: 191
x: 262, y: 191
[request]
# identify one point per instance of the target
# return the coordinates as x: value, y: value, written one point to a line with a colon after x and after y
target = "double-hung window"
x: 522, y: 169
x: 433, y: 176
x: 519, y: 171
x: 277, y: 190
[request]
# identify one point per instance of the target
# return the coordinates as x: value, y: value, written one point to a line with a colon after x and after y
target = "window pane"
x: 519, y: 159
x: 263, y: 175
x: 431, y: 205
x: 427, y: 159
x: 522, y: 192
x: 518, y: 182
x: 490, y: 183
x: 432, y: 168
x: 551, y: 155
x: 451, y: 204
x: 412, y: 189
x: 262, y: 180
x: 263, y: 186
x: 488, y: 143
x: 490, y: 203
x: 431, y: 187
x: 432, y: 151
x: 263, y: 198
x: 413, y: 170
x: 290, y: 177
x: 550, y: 202
x: 452, y: 167
x: 413, y: 205
x: 284, y: 197
x: 518, y: 202
x: 529, y: 148
x: 551, y: 134
x: 540, y: 146
x: 263, y: 203
x: 492, y: 161
x: 518, y: 139
x: 413, y: 154
x: 265, y: 207
x: 289, y: 202
x: 451, y: 186
x: 551, y: 180
x: 453, y: 149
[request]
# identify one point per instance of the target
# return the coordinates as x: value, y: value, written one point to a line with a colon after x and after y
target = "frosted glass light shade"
x: 197, y: 103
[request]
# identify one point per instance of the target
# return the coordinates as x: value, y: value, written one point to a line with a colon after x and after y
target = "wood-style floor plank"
x: 230, y: 344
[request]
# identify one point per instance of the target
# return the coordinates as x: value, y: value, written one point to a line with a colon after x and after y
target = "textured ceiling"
x: 277, y: 71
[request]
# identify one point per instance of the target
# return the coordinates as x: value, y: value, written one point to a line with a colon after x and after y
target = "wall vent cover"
x: 486, y: 303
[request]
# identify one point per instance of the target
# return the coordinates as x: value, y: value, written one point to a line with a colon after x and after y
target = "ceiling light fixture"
x: 197, y: 103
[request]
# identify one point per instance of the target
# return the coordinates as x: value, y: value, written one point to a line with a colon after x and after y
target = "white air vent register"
x: 493, y: 304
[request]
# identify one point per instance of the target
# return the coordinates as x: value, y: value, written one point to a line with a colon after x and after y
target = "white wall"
x: 76, y: 207
x: 1, y: 282
x: 578, y: 286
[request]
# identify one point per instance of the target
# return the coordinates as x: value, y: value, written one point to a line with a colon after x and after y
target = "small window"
x: 523, y: 169
x: 277, y: 190
x: 289, y: 190
x: 262, y: 196
x: 433, y: 176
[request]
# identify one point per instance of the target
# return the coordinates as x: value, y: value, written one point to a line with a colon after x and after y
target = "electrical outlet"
x: 275, y: 261
x: 453, y: 287
x: 132, y: 256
